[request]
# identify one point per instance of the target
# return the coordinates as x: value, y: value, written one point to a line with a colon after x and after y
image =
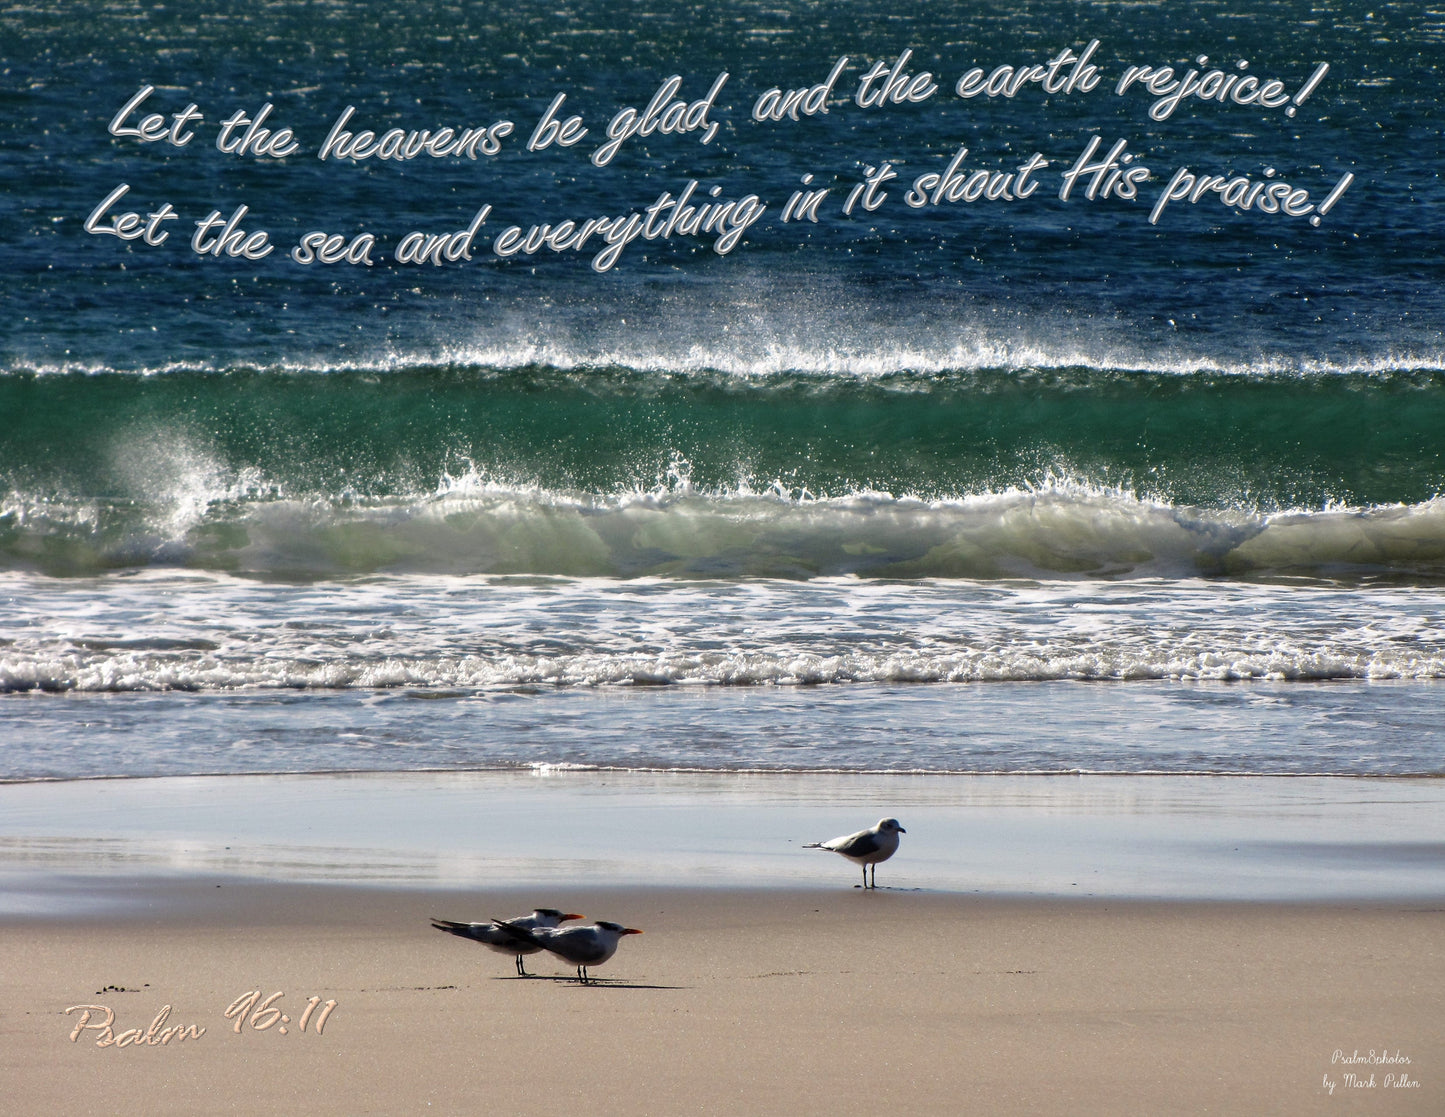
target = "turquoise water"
x: 471, y: 470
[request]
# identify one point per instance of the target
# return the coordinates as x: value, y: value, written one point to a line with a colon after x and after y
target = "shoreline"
x: 1298, y: 840
x: 547, y: 770
x: 211, y: 903
x: 760, y: 1001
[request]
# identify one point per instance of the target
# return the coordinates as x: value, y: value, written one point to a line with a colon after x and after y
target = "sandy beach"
x: 1054, y: 945
x: 783, y: 1001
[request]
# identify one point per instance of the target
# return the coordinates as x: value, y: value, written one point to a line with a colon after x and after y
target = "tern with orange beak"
x: 578, y: 946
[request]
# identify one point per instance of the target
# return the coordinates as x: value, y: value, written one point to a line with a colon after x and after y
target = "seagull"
x: 867, y: 847
x: 578, y: 946
x: 504, y: 936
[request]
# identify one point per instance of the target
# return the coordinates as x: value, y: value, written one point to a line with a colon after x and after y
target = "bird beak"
x: 631, y: 931
x: 902, y: 831
x: 565, y: 918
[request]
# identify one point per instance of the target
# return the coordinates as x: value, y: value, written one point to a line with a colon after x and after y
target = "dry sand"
x: 738, y: 1002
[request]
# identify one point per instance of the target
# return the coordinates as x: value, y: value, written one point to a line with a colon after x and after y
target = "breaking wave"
x: 1057, y: 529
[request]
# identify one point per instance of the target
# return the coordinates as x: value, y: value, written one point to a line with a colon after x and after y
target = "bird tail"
x: 448, y: 925
x: 815, y: 845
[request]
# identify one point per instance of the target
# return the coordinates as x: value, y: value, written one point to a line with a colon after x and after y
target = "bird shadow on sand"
x: 888, y: 888
x: 593, y: 983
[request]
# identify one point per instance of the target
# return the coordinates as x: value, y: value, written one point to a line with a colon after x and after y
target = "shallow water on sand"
x: 1156, y: 837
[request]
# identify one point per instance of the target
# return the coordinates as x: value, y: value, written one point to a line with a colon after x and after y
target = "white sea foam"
x: 789, y: 359
x: 216, y: 633
x: 1286, y: 660
x: 760, y: 342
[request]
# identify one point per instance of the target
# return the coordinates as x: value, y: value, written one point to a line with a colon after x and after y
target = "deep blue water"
x: 917, y: 460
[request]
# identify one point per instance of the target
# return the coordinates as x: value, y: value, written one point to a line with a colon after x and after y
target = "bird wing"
x: 489, y: 933
x: 860, y: 844
x: 583, y: 946
x: 465, y: 930
x: 517, y: 933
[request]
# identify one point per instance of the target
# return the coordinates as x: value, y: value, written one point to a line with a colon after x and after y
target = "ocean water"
x: 1081, y: 481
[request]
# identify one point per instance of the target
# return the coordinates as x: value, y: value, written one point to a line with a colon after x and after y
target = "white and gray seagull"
x: 504, y: 936
x: 867, y: 847
x: 578, y: 946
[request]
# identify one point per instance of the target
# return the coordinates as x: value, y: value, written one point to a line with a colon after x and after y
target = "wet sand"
x: 1127, y: 837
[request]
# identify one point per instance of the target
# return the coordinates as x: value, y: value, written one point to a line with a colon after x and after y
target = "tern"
x: 578, y: 946
x: 867, y: 847
x: 504, y: 936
